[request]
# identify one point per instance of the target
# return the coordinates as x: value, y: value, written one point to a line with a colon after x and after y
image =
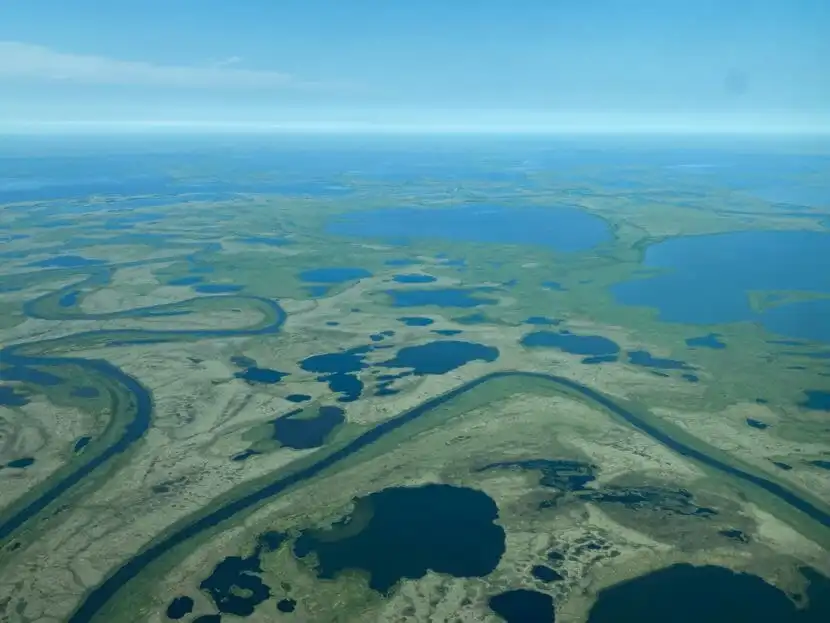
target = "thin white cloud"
x: 34, y: 62
x: 227, y: 62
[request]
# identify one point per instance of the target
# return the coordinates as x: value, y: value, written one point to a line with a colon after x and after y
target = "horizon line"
x: 39, y: 127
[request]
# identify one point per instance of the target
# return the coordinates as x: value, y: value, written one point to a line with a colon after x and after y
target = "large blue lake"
x: 560, y: 228
x: 707, y: 280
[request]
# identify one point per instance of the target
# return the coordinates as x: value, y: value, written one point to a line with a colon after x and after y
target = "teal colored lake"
x: 707, y: 280
x: 559, y: 227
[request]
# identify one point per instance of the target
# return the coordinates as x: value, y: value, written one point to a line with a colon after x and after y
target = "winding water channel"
x: 136, y: 414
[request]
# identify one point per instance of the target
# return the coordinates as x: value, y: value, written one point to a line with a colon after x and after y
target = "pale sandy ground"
x: 41, y: 430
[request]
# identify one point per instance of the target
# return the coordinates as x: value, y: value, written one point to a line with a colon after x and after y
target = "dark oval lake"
x: 524, y: 606
x: 402, y: 532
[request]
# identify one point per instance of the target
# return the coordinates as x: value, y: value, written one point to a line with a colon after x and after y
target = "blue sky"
x: 572, y: 64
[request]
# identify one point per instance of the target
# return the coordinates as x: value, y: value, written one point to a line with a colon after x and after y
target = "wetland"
x: 574, y: 398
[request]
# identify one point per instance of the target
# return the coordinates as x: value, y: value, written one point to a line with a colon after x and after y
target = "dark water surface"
x: 340, y: 370
x: 545, y: 574
x: 179, y: 608
x: 683, y: 593
x: 447, y: 332
x: 81, y: 443
x: 593, y: 345
x: 441, y: 357
x: 416, y: 321
x: 86, y: 391
x: 301, y: 433
x: 9, y: 397
x: 66, y: 261
x: 441, y: 297
x: 403, y: 532
x: 413, y: 278
x: 298, y: 398
x: 216, y: 288
x: 818, y: 400
x: 525, y: 606
x: 712, y: 340
x: 265, y: 376
x: 542, y: 321
x: 26, y: 374
x: 21, y: 463
x: 286, y: 605
x: 70, y: 299
x: 647, y: 360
